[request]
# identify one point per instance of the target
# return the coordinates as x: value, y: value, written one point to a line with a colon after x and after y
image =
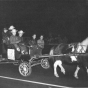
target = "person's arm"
x: 43, y: 44
x: 40, y: 43
x: 22, y: 39
x: 13, y: 40
x: 18, y: 40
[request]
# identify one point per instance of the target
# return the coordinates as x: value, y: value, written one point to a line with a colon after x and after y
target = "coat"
x: 40, y: 43
x: 5, y: 38
x: 14, y: 40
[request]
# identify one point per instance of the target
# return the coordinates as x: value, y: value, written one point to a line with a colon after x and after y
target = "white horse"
x: 80, y: 48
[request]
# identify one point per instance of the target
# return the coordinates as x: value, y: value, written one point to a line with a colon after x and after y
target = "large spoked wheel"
x: 25, y: 69
x: 45, y: 63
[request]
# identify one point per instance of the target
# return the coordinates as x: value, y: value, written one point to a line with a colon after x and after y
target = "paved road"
x: 39, y: 75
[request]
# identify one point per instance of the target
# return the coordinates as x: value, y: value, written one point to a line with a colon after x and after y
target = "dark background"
x: 65, y: 17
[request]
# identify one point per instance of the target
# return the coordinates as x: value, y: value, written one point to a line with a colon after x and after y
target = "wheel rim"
x: 24, y: 69
x: 45, y: 63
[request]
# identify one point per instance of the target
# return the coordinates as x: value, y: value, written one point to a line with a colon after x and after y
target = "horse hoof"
x: 63, y: 71
x: 76, y: 77
x: 56, y: 75
x: 87, y: 72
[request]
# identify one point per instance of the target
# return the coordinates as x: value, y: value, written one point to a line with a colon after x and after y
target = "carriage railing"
x: 61, y: 55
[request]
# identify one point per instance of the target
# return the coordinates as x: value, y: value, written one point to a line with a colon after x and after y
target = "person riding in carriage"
x: 6, y: 33
x: 5, y: 42
x: 14, y: 39
x: 33, y: 46
x: 20, y: 36
x: 40, y: 43
x: 5, y: 36
x: 10, y: 29
x: 37, y: 46
x: 21, y: 43
x: 33, y: 41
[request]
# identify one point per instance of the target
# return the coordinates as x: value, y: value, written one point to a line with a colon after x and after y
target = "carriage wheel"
x: 25, y: 69
x: 45, y: 63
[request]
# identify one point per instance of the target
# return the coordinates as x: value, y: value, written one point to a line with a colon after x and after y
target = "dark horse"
x: 80, y: 61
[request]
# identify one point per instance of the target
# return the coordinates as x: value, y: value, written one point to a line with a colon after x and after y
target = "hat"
x: 41, y: 36
x: 33, y: 35
x: 5, y: 30
x: 11, y: 27
x: 14, y: 30
x: 20, y: 32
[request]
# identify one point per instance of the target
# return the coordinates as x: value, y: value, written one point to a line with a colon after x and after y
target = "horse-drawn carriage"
x: 24, y: 61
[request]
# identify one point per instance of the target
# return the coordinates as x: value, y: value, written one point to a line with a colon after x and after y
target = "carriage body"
x: 24, y: 60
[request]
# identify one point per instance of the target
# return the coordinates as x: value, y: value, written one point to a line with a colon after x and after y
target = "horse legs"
x: 85, y: 69
x: 76, y: 72
x: 55, y: 69
x: 58, y: 63
x: 85, y: 65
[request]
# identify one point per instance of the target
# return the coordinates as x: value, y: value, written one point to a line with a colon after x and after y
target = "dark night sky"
x: 65, y: 17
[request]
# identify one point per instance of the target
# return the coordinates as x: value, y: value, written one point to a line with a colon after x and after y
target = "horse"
x: 80, y: 61
x: 57, y: 50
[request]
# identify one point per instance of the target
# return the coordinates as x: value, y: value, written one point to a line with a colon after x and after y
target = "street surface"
x: 40, y: 78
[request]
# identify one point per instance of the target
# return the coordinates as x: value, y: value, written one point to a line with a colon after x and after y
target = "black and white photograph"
x: 43, y: 43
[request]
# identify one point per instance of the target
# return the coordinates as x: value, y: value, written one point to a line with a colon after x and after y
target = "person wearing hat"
x: 14, y: 39
x: 20, y: 35
x: 33, y: 47
x: 5, y: 36
x: 40, y: 43
x: 22, y: 46
x: 10, y: 29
